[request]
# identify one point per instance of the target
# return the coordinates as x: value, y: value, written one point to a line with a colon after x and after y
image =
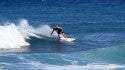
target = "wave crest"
x: 15, y: 36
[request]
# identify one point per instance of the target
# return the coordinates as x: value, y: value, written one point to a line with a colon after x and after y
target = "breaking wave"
x: 16, y: 36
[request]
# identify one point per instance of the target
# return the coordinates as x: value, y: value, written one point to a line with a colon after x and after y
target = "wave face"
x: 15, y: 36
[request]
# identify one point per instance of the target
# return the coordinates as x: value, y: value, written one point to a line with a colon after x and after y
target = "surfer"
x: 59, y: 31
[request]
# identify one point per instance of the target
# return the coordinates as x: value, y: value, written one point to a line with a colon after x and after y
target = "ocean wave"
x: 10, y: 37
x: 16, y: 36
x: 85, y: 67
x: 34, y: 65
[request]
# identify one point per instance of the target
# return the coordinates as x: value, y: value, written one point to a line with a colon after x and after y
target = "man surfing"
x: 59, y: 31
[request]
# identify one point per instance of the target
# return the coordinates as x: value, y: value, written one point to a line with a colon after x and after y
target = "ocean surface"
x: 97, y: 25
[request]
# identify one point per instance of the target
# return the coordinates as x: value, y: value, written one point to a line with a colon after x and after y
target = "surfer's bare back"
x: 59, y: 31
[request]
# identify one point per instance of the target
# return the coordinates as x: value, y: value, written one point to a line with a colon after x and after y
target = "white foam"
x: 36, y: 65
x: 10, y: 37
x: 26, y: 29
x: 45, y: 30
x: 86, y: 67
x: 14, y: 36
x: 91, y: 66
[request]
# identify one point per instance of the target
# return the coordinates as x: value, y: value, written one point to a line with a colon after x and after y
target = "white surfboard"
x: 67, y: 39
x: 62, y: 39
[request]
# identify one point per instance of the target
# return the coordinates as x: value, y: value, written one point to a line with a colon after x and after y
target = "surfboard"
x: 62, y: 39
x: 67, y: 39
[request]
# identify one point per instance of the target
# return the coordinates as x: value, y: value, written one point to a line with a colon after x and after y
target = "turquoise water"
x: 97, y: 26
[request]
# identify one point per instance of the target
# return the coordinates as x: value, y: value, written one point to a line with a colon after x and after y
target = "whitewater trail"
x: 15, y: 36
x: 10, y: 37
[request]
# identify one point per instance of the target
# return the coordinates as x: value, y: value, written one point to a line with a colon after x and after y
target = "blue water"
x: 98, y: 26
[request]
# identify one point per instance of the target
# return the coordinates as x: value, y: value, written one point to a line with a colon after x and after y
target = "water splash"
x: 10, y: 37
x: 15, y: 36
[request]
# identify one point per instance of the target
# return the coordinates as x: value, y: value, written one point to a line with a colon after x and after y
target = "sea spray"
x: 10, y: 37
x: 45, y: 30
x: 15, y: 36
x: 27, y: 30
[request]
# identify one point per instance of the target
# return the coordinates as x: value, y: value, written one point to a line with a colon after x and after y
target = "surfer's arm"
x: 52, y: 32
x: 54, y: 28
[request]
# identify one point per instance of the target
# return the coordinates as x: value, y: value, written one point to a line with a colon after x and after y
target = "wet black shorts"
x: 60, y: 32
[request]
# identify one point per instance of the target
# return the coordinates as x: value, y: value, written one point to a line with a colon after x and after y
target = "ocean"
x: 97, y: 25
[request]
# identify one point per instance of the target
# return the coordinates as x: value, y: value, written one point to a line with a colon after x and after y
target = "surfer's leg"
x: 59, y: 36
x: 59, y: 33
x: 64, y: 35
